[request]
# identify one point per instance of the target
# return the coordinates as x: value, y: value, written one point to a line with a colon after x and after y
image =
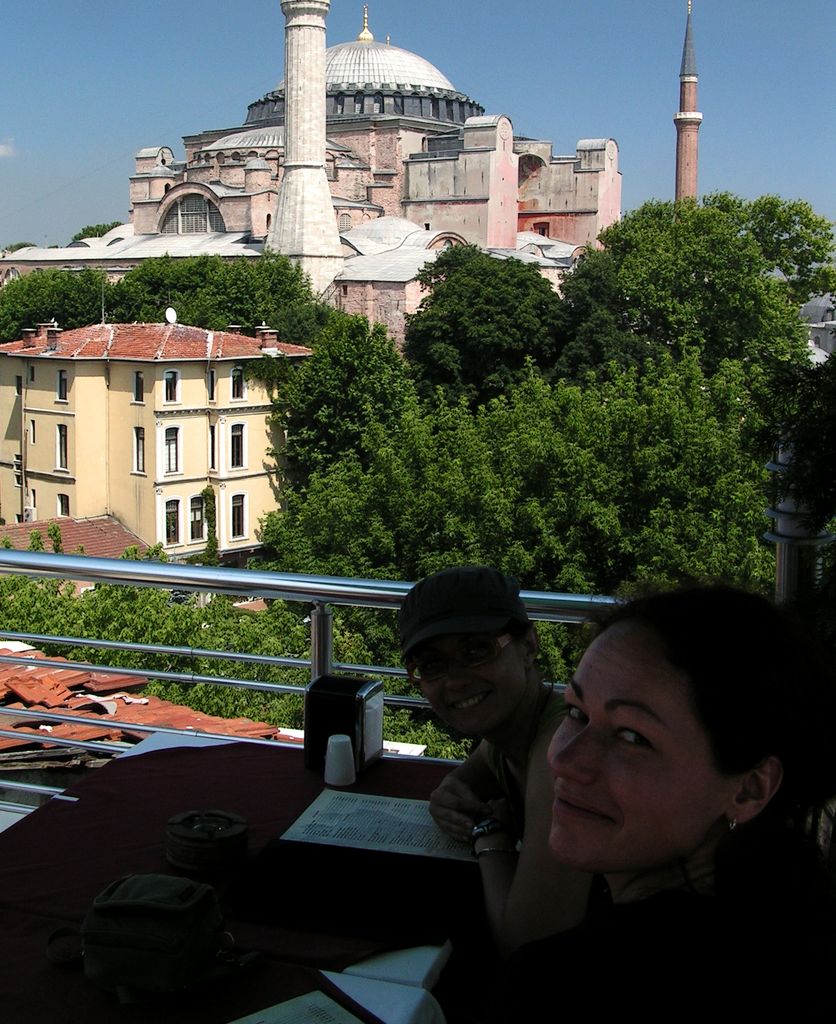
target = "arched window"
x: 192, y: 215
x: 339, y: 103
x: 345, y: 222
x: 397, y: 103
x: 358, y: 103
x: 331, y: 167
x: 377, y: 104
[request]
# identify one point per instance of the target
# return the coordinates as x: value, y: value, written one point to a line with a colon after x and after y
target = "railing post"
x: 322, y: 640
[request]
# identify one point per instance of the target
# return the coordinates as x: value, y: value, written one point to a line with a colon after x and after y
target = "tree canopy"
x: 481, y: 319
x: 355, y: 377
x: 206, y: 291
x: 584, y: 489
x: 675, y: 277
x: 74, y: 300
x: 210, y: 292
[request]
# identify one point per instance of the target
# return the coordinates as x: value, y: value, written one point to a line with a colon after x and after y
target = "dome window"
x: 192, y: 215
x: 358, y: 103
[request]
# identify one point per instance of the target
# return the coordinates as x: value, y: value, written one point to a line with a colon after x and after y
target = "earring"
x: 732, y: 823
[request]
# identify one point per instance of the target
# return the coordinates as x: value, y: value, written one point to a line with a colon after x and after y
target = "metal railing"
x: 320, y: 592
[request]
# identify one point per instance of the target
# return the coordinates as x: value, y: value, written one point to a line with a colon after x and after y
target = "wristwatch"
x: 486, y: 827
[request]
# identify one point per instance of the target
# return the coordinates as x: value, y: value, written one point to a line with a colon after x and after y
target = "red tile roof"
x: 43, y: 687
x: 145, y: 342
x: 101, y: 537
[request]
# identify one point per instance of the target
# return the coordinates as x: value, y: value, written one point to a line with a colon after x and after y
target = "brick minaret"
x: 687, y: 120
x: 305, y: 228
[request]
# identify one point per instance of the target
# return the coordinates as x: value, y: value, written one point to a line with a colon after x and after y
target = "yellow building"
x: 134, y: 421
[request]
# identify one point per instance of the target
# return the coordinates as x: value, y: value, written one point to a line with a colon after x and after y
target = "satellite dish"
x: 171, y: 315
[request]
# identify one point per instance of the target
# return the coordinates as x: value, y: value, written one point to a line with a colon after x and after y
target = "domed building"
x: 402, y: 142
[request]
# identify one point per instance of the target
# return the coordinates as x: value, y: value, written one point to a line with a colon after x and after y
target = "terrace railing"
x: 319, y: 592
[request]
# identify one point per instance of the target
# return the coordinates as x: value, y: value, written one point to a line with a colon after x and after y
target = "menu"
x: 384, y: 823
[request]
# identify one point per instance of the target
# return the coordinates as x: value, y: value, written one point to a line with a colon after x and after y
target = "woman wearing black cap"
x: 471, y: 648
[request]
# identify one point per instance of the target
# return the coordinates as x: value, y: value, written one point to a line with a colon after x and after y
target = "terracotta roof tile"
x: 147, y: 342
x: 101, y: 537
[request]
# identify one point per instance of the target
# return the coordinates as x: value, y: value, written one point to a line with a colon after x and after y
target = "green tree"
x: 676, y: 277
x: 354, y: 377
x: 54, y: 534
x: 586, y: 489
x: 95, y: 230
x: 480, y: 321
x: 74, y: 300
x: 210, y: 292
x: 792, y: 238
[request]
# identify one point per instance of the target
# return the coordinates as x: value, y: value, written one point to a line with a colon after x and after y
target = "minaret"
x: 687, y: 120
x: 305, y: 228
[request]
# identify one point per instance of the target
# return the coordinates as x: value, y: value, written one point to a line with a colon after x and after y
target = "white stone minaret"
x: 305, y: 228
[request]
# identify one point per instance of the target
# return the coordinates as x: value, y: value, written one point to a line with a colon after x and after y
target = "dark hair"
x: 759, y: 685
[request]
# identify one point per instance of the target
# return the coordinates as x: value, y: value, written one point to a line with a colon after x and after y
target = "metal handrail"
x: 309, y: 589
x: 318, y: 591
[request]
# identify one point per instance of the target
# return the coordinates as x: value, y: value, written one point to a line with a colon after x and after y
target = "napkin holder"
x: 344, y: 704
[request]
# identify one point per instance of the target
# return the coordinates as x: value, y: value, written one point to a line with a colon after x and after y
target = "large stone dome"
x: 366, y: 78
x: 364, y: 63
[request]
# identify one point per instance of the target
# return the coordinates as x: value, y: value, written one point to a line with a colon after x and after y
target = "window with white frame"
x: 212, y: 450
x: 239, y: 515
x: 237, y: 385
x: 139, y: 386
x: 63, y: 505
x: 172, y: 521
x: 172, y: 449
x: 61, y: 386
x: 210, y: 385
x: 171, y: 386
x: 61, y: 457
x: 32, y: 432
x: 139, y: 449
x: 236, y: 446
x: 197, y: 519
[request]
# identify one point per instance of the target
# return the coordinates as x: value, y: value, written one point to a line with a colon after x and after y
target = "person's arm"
x: 462, y: 798
x: 530, y: 895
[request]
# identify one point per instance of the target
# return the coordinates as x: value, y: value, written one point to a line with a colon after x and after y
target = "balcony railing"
x: 320, y: 592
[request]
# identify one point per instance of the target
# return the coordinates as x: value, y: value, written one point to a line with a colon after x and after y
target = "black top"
x: 674, y: 956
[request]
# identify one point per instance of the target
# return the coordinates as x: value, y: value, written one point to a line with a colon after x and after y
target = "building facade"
x: 136, y: 421
x: 400, y: 141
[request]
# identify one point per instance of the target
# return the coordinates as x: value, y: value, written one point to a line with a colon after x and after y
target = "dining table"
x: 313, y: 914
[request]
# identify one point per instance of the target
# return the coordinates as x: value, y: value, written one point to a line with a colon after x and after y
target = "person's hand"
x: 456, y: 808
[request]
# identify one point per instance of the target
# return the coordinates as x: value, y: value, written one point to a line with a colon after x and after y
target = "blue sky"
x: 86, y: 84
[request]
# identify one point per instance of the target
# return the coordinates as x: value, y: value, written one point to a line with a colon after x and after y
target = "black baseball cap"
x: 463, y: 599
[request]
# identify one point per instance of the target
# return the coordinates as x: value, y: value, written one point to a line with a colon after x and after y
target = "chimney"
x: 268, y: 338
x: 234, y: 328
x: 52, y: 332
x: 29, y: 337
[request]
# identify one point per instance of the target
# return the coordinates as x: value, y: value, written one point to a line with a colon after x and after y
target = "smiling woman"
x: 689, y: 772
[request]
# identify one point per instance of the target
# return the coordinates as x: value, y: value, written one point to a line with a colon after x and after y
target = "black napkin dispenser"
x: 351, y: 705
